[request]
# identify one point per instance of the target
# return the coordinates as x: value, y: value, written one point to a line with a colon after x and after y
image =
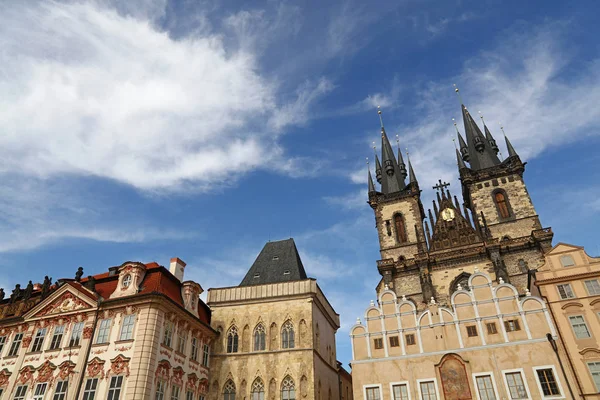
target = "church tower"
x: 398, y: 210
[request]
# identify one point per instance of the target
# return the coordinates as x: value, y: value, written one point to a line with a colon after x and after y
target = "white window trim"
x: 392, y: 384
x: 523, y: 376
x: 539, y: 385
x: 437, y: 390
x: 372, y: 385
x: 491, y: 375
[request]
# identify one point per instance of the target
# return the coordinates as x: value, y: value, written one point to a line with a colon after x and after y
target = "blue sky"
x: 203, y: 129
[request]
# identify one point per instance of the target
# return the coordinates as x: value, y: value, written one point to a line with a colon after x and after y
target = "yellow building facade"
x: 570, y: 283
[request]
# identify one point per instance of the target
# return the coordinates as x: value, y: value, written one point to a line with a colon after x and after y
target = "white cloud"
x: 351, y: 201
x: 91, y: 91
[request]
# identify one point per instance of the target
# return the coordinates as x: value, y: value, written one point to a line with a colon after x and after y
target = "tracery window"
x: 400, y: 228
x: 288, y: 389
x: 501, y: 200
x: 229, y: 391
x: 287, y: 335
x: 232, y: 340
x: 258, y: 390
x: 259, y: 338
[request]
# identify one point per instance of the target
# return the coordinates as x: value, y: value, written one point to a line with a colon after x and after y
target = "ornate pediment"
x: 65, y: 300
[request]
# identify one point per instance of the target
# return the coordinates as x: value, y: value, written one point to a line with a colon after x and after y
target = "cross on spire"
x: 441, y: 186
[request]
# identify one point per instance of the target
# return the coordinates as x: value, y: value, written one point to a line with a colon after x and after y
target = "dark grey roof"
x: 277, y: 262
x: 478, y: 159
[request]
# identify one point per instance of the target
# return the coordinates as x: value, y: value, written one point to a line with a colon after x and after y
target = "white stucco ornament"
x: 358, y: 321
x: 372, y: 303
x: 432, y: 300
x: 501, y: 280
x: 476, y: 269
x: 527, y: 293
x: 386, y: 287
x: 403, y: 297
x: 459, y: 287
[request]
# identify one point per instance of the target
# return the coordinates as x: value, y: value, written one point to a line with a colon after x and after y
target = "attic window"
x: 275, y: 258
x: 126, y: 281
x: 567, y: 261
x: 286, y: 272
x: 257, y: 275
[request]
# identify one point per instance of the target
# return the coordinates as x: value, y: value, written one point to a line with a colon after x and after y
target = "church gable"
x: 68, y: 298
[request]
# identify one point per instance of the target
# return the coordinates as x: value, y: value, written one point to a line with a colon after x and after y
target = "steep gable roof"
x: 277, y: 262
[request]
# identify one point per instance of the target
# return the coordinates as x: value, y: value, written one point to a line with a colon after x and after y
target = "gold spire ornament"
x: 380, y: 117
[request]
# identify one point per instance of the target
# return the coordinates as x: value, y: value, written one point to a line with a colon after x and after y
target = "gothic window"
x: 400, y: 228
x: 258, y: 390
x: 502, y: 205
x: 229, y: 391
x: 461, y: 282
x: 523, y: 266
x: 288, y: 389
x: 232, y: 341
x: 287, y: 335
x: 259, y: 338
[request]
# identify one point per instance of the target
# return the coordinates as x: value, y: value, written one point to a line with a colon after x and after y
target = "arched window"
x: 288, y: 389
x: 287, y: 335
x: 258, y: 390
x: 259, y: 338
x: 501, y: 200
x: 229, y: 391
x: 400, y: 229
x: 232, y: 340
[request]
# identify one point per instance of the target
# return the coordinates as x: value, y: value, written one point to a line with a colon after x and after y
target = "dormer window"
x: 275, y: 258
x: 257, y: 275
x: 286, y: 272
x: 126, y: 281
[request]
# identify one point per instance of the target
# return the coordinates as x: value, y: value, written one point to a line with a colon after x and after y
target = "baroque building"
x: 138, y: 331
x: 276, y: 334
x: 454, y: 317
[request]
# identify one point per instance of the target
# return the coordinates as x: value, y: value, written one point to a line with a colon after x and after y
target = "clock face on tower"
x: 447, y: 214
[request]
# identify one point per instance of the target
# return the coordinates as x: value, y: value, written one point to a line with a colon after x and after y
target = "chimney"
x: 177, y: 267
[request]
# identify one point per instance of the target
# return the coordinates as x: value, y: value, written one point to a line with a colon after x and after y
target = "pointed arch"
x: 461, y: 279
x: 229, y: 390
x: 287, y: 335
x: 257, y: 392
x: 260, y: 337
x: 288, y: 388
x: 232, y: 339
x: 502, y: 204
x: 400, y: 228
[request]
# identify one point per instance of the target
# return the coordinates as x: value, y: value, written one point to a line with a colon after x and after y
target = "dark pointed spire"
x: 464, y: 149
x: 459, y: 160
x: 411, y: 173
x: 371, y: 185
x: 401, y: 164
x: 488, y: 136
x: 509, y: 146
x: 392, y: 180
x: 377, y: 169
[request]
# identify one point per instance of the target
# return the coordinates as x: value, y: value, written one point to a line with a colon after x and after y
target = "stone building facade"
x: 137, y: 331
x: 276, y: 334
x: 569, y: 280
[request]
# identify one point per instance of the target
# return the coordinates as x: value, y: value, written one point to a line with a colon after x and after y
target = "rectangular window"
x: 491, y: 328
x: 394, y: 342
x: 189, y: 395
x: 127, y: 327
x: 428, y: 390
x: 114, y: 390
x: 16, y: 345
x: 175, y: 393
x: 512, y: 325
x: 565, y: 291
x: 373, y: 393
x: 59, y: 331
x: 39, y: 340
x: 516, y: 387
x: 485, y: 388
x: 103, y: 331
x: 579, y: 327
x: 2, y: 343
x: 471, y: 330
x: 194, y: 352
x: 20, y: 392
x: 594, y: 368
x: 206, y: 352
x: 410, y: 339
x: 378, y: 343
x: 400, y: 392
x: 89, y: 393
x: 182, y: 338
x: 548, y: 382
x: 160, y: 390
x: 40, y: 391
x: 76, y: 334
x: 168, y: 334
x: 593, y: 287
x: 61, y: 391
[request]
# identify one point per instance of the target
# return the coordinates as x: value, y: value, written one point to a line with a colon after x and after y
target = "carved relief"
x: 163, y: 371
x: 178, y: 376
x: 119, y: 365
x: 46, y: 373
x: 96, y: 368
x: 88, y: 331
x: 203, y: 387
x: 4, y: 377
x: 192, y: 380
x: 303, y: 386
x: 455, y: 381
x: 27, y: 341
x: 26, y: 375
x: 65, y: 303
x: 66, y: 369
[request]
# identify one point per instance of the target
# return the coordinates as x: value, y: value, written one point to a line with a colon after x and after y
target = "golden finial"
x: 458, y: 93
x: 406, y: 149
x: 380, y: 117
x: 455, y: 127
x: 502, y: 128
x: 368, y: 166
x: 454, y: 141
x: 481, y: 116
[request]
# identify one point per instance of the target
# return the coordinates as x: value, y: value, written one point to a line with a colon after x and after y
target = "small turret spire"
x: 371, y: 185
x: 392, y: 179
x: 459, y: 161
x: 411, y: 173
x: 488, y: 135
x: 401, y: 164
x: 377, y: 165
x: 464, y: 149
x: 509, y: 146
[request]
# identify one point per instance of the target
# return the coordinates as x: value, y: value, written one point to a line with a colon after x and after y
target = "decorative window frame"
x: 372, y: 385
x: 395, y: 230
x: 475, y: 375
x: 523, y: 376
x: 435, y: 383
x: 392, y: 384
x: 558, y: 383
x: 511, y: 212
